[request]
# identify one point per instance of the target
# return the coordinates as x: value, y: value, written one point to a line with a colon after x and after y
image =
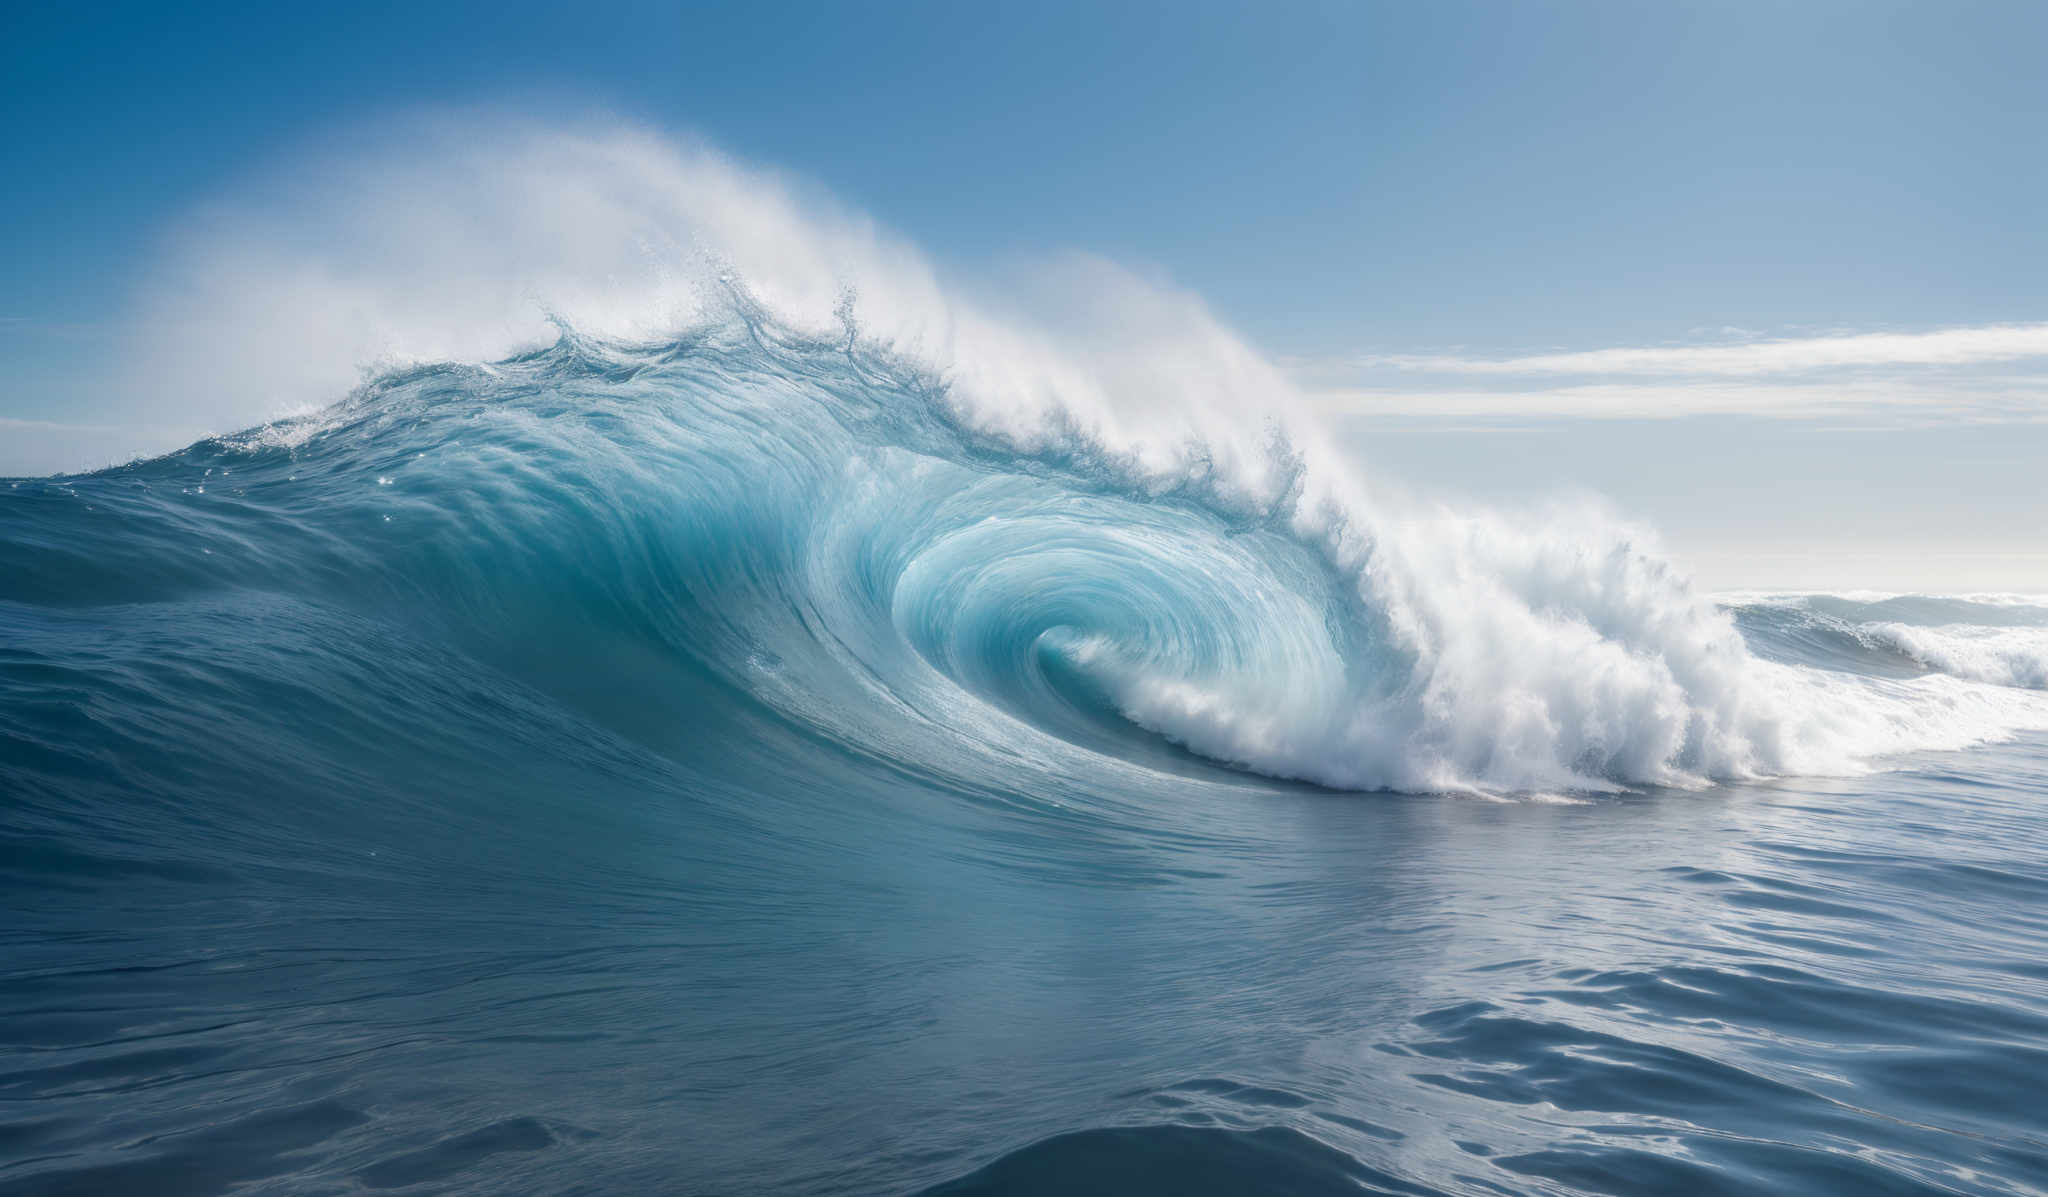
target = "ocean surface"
x: 717, y: 766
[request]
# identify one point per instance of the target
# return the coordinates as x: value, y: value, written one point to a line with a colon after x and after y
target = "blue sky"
x: 1393, y: 199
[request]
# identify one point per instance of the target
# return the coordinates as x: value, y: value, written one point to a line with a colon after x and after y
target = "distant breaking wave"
x: 2001, y: 640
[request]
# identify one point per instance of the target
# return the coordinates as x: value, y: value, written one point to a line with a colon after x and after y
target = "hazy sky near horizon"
x: 1769, y: 275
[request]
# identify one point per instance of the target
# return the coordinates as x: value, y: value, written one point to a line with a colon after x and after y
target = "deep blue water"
x: 709, y: 769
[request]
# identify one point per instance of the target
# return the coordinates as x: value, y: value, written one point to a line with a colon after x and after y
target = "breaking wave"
x: 823, y: 527
x: 956, y: 534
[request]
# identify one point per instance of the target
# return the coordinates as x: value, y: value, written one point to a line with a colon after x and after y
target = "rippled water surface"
x: 463, y: 796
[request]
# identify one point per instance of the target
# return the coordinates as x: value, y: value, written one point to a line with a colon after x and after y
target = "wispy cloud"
x: 2021, y: 399
x: 1988, y: 372
x: 1943, y: 347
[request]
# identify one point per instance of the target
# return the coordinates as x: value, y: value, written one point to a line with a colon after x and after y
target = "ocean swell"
x: 837, y: 533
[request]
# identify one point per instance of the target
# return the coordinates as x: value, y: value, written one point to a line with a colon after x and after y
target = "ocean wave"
x: 1077, y: 524
x: 826, y: 526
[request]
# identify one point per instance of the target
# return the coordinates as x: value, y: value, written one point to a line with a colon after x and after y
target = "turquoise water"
x: 709, y: 767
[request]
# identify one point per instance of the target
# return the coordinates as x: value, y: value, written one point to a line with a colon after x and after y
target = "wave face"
x: 820, y: 528
x: 739, y: 762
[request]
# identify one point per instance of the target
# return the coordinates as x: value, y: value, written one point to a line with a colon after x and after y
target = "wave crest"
x: 817, y: 522
x: 1079, y: 526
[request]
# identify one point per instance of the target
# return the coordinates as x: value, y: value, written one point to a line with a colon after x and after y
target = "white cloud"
x: 1942, y: 347
x: 1979, y: 373
x: 1895, y: 402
